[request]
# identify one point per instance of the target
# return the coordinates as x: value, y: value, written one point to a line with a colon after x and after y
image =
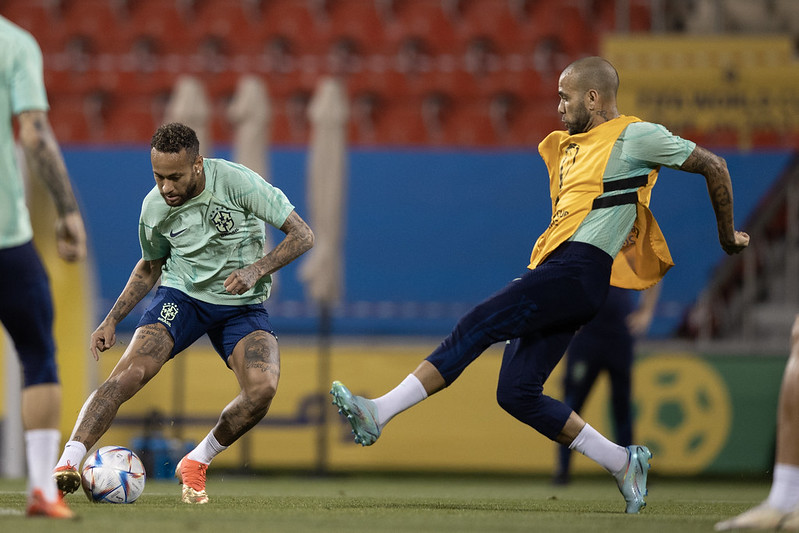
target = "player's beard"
x: 580, y: 123
x: 191, y: 192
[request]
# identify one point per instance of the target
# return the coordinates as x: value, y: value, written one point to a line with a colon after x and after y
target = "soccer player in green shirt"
x: 202, y: 232
x: 26, y: 305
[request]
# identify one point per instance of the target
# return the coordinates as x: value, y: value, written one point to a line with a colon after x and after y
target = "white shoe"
x: 761, y: 517
x: 790, y: 522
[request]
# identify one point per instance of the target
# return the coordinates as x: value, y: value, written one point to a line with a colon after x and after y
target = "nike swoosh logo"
x: 176, y: 233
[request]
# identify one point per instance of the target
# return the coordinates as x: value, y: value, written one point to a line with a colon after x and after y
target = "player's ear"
x: 198, y: 165
x: 591, y: 98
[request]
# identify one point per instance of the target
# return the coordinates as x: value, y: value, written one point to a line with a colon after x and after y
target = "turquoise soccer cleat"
x: 360, y: 412
x: 632, y: 480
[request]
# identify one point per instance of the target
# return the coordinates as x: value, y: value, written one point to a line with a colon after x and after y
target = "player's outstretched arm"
x: 45, y: 162
x: 299, y: 239
x: 641, y: 318
x: 143, y: 278
x: 719, y: 187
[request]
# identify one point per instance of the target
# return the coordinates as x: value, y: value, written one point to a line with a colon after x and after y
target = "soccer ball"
x: 113, y: 474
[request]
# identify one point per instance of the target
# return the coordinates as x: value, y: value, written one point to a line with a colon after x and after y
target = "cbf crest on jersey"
x: 223, y: 221
x: 168, y: 313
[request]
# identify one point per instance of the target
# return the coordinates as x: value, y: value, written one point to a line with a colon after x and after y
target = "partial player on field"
x: 26, y: 304
x: 780, y: 510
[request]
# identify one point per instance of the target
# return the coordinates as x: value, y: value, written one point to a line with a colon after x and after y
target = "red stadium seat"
x: 96, y: 19
x: 491, y: 18
x: 293, y: 19
x: 404, y: 50
x: 357, y: 19
x: 68, y: 119
x: 401, y: 124
x: 162, y: 21
x: 132, y: 119
x: 421, y: 18
x: 37, y: 18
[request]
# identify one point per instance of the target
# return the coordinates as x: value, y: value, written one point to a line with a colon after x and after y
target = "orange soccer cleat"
x: 191, y: 474
x: 39, y: 506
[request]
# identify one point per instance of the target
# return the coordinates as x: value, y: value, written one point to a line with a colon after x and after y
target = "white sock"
x: 207, y: 450
x: 407, y: 394
x: 784, y: 493
x: 593, y: 445
x: 73, y: 454
x: 41, y: 447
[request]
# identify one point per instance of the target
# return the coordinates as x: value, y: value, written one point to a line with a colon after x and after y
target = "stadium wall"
x: 429, y: 233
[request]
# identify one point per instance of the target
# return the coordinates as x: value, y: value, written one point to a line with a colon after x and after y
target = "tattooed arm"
x: 299, y: 239
x: 719, y: 187
x: 143, y: 278
x: 44, y: 161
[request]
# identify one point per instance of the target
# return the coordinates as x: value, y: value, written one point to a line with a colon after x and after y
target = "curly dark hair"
x: 174, y: 137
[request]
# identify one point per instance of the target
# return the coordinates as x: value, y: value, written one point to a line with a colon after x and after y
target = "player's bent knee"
x: 511, y: 399
x: 263, y: 392
x: 128, y: 381
x: 507, y: 405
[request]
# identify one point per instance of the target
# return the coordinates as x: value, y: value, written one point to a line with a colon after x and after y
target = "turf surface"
x: 400, y: 503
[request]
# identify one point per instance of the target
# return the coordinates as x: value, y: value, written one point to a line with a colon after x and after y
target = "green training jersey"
x: 213, y: 234
x: 642, y: 147
x: 21, y: 89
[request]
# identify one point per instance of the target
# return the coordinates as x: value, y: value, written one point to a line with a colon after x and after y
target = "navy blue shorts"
x: 187, y: 319
x: 26, y: 311
x: 560, y: 295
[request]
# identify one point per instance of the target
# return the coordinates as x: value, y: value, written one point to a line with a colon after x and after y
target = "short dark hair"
x: 596, y: 73
x: 173, y: 137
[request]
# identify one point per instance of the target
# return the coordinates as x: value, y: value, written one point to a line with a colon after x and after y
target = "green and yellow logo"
x: 683, y: 411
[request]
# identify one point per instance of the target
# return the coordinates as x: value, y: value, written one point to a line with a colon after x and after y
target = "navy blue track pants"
x: 538, y: 314
x: 604, y: 344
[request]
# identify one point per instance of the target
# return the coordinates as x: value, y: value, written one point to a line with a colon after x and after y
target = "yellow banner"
x: 743, y: 85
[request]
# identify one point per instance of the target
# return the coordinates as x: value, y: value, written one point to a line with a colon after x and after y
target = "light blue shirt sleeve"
x: 256, y: 195
x: 153, y: 244
x: 652, y: 144
x: 27, y: 83
x: 21, y: 89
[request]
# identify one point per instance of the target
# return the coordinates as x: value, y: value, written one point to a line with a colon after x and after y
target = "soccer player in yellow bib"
x: 202, y: 233
x: 601, y: 174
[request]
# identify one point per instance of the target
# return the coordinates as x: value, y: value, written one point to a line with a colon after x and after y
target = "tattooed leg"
x: 256, y: 363
x: 148, y: 351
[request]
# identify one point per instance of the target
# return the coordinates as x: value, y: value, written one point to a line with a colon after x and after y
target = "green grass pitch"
x: 401, y: 503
